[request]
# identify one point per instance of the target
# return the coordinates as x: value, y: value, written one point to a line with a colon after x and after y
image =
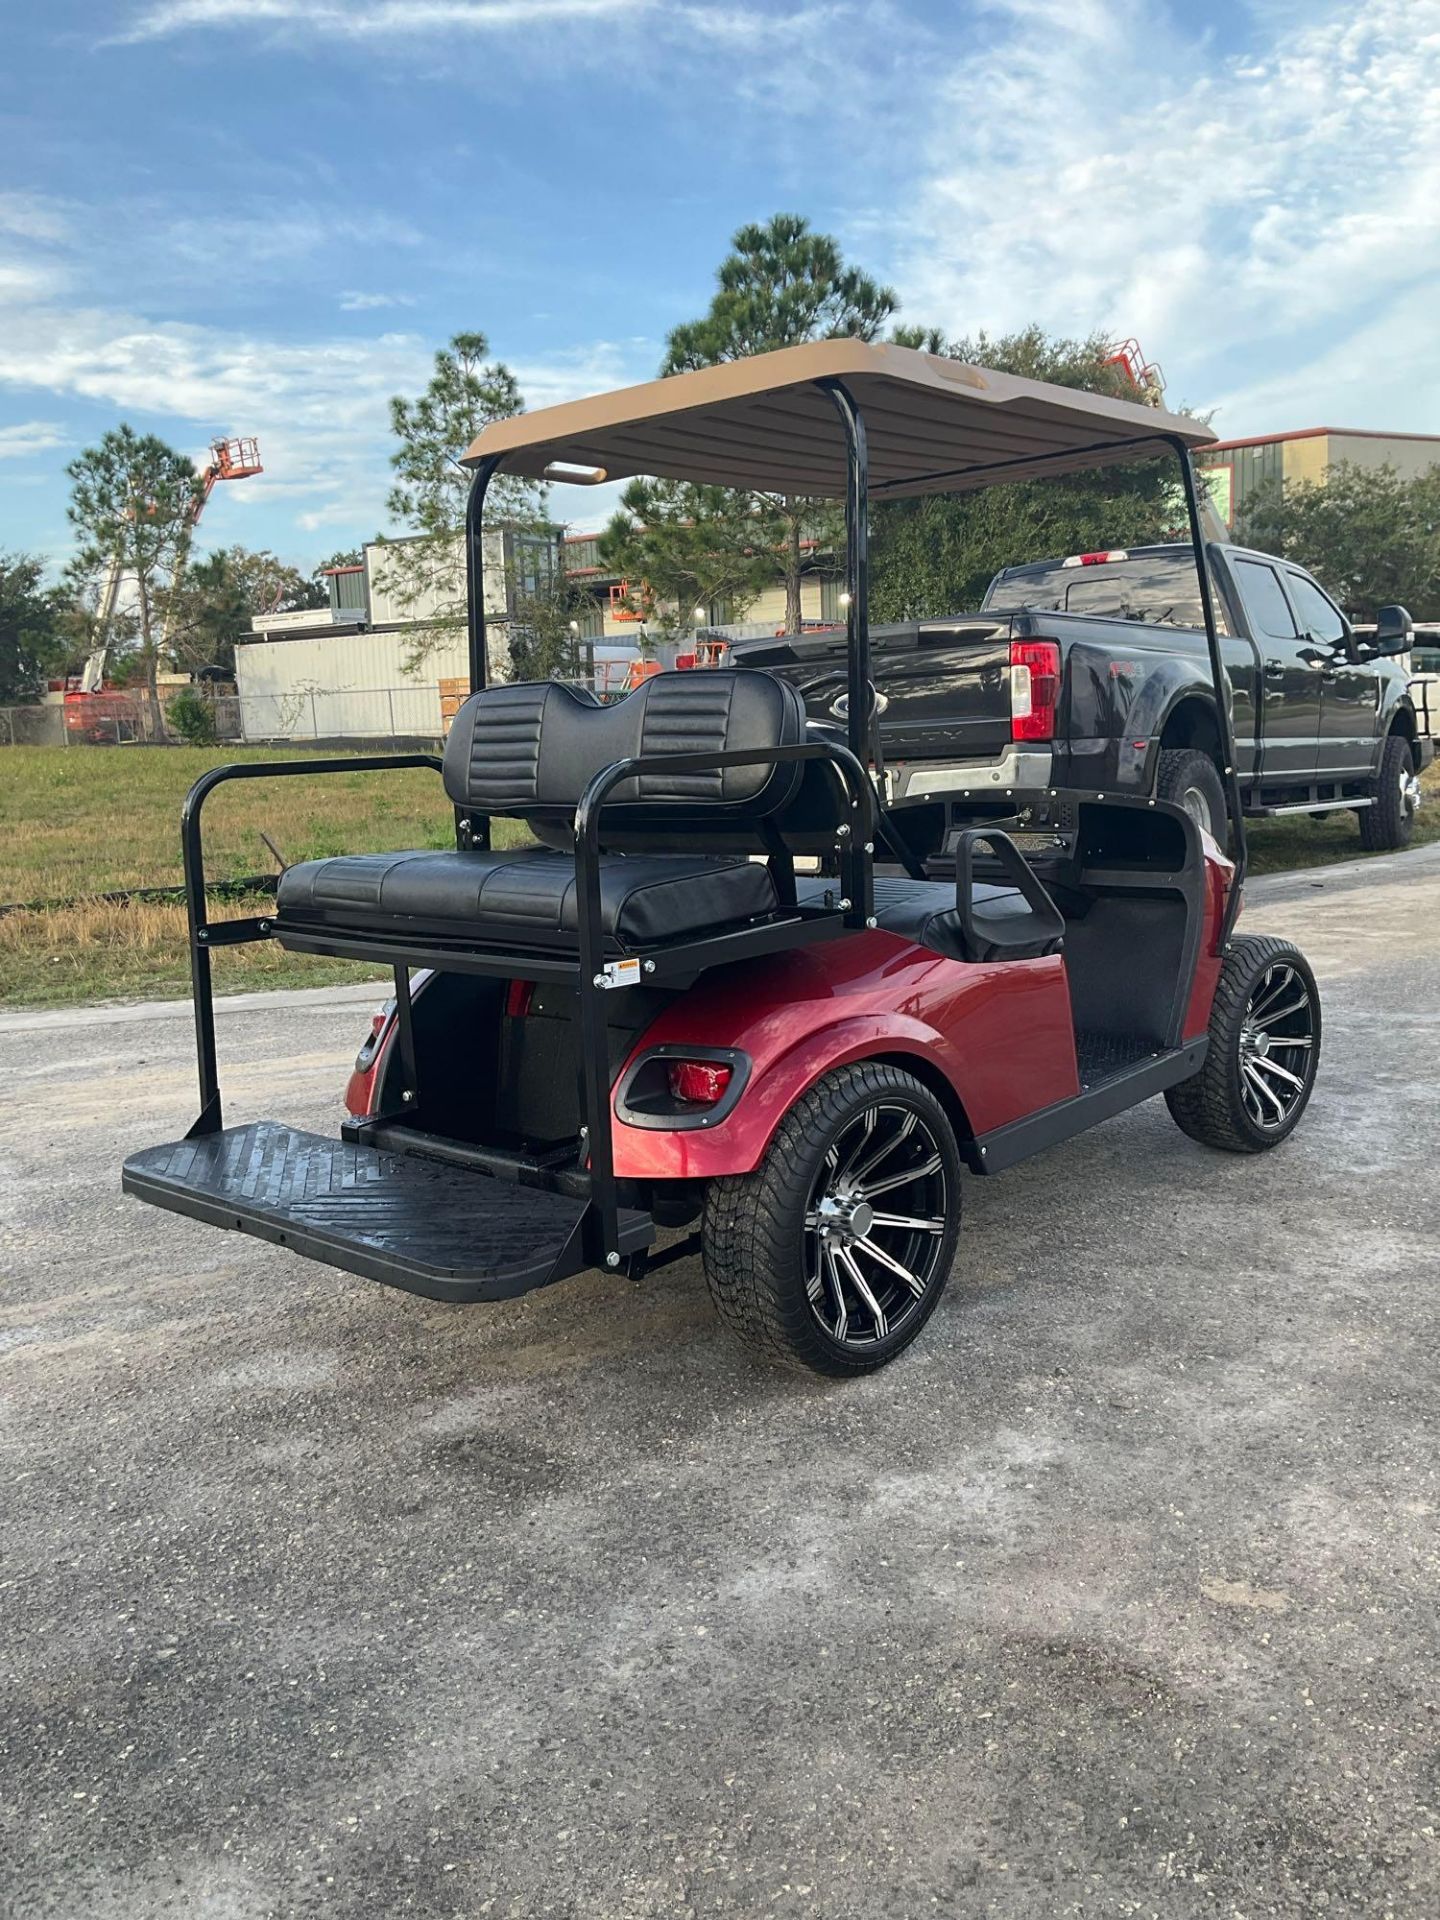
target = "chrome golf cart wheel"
x: 875, y: 1225
x: 1277, y: 1045
x: 1259, y: 1069
x: 833, y: 1254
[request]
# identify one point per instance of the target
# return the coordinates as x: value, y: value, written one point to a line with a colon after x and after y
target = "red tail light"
x: 701, y: 1081
x: 1034, y: 688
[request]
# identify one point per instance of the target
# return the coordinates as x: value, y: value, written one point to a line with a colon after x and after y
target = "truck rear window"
x: 1159, y: 589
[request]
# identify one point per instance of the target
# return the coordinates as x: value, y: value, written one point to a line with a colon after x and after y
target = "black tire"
x: 1391, y: 821
x: 1231, y: 1102
x: 765, y: 1261
x: 1190, y: 779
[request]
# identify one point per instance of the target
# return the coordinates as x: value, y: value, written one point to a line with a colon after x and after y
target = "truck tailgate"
x: 944, y: 685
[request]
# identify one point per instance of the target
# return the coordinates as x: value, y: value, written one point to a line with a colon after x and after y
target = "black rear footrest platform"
x: 448, y: 1232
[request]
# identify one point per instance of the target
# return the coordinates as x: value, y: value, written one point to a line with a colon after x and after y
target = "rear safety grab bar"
x: 1046, y: 920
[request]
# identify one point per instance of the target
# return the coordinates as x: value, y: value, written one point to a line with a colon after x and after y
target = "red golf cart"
x: 718, y: 990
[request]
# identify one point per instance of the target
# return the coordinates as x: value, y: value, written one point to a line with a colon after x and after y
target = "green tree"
x: 1371, y: 536
x: 32, y: 641
x: 681, y: 546
x: 192, y: 716
x: 936, y: 555
x: 544, y: 635
x: 133, y: 503
x: 781, y: 285
x: 466, y: 392
x: 218, y: 597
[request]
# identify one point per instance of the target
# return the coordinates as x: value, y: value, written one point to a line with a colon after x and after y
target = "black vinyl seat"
x: 924, y: 911
x: 527, y: 895
x: 529, y: 752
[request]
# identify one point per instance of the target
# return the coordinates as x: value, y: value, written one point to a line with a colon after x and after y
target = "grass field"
x: 84, y: 821
x: 78, y: 822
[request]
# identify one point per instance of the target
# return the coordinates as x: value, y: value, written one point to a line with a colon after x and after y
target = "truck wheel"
x: 1264, y: 1048
x: 1191, y: 780
x: 833, y: 1254
x: 1391, y: 821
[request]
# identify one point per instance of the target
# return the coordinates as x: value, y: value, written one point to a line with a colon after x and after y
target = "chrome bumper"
x: 1017, y: 768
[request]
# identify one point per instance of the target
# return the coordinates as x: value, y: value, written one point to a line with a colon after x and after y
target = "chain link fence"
x: 308, y: 714
x: 408, y: 715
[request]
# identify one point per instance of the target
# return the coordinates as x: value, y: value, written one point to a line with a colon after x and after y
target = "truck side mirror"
x: 1394, y: 631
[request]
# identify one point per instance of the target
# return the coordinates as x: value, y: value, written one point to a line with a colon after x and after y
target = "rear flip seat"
x: 526, y: 894
x: 530, y: 752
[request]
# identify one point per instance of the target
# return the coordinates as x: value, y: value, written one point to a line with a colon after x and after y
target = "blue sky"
x: 263, y: 215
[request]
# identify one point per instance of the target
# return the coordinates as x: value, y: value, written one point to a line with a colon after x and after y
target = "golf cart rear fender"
x: 738, y: 1143
x: 996, y: 1044
x: 1219, y: 874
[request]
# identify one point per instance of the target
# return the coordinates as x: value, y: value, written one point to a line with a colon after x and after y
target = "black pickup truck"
x: 1092, y: 671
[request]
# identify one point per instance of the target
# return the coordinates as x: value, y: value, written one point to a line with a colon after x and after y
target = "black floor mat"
x: 1101, y: 1056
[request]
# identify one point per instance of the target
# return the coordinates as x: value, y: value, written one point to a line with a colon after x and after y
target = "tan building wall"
x: 1308, y: 460
x: 1295, y: 459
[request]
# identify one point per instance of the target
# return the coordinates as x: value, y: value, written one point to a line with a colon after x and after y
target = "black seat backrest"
x: 532, y: 749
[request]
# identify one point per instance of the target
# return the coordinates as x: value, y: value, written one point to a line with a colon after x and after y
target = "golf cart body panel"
x: 653, y: 1008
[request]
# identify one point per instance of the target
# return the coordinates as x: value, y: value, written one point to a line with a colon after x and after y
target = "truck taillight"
x: 1034, y: 688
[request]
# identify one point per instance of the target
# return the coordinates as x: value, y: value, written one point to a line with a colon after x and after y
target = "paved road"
x: 1116, y: 1597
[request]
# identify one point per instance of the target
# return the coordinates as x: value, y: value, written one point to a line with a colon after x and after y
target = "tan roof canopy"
x: 934, y: 426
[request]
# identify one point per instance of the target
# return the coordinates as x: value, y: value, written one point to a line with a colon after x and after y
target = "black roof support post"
x: 857, y: 866
x: 1233, y: 799
x: 861, y: 692
x: 475, y: 573
x: 472, y: 829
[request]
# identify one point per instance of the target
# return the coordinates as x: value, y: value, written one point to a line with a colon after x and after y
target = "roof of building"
x: 933, y: 425
x: 1314, y: 433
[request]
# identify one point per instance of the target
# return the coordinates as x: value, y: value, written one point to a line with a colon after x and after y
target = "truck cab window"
x: 1319, y: 615
x: 1264, y: 600
x: 1159, y: 589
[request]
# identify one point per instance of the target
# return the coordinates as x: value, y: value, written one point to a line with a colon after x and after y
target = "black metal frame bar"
x: 475, y: 573
x: 472, y: 830
x: 230, y: 933
x: 860, y: 715
x: 1223, y: 717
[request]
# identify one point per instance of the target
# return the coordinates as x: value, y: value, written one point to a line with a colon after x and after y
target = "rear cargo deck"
x: 448, y: 1232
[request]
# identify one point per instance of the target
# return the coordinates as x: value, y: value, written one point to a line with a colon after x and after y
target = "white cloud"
x: 319, y: 408
x: 32, y: 216
x: 26, y: 437
x: 29, y: 279
x: 397, y: 19
x: 1090, y: 166
x: 377, y: 19
x: 368, y: 302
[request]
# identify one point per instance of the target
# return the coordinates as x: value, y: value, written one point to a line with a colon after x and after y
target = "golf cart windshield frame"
x: 861, y: 714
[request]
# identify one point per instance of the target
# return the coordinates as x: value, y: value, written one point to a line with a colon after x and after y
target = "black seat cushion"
x: 924, y: 911
x: 526, y: 895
